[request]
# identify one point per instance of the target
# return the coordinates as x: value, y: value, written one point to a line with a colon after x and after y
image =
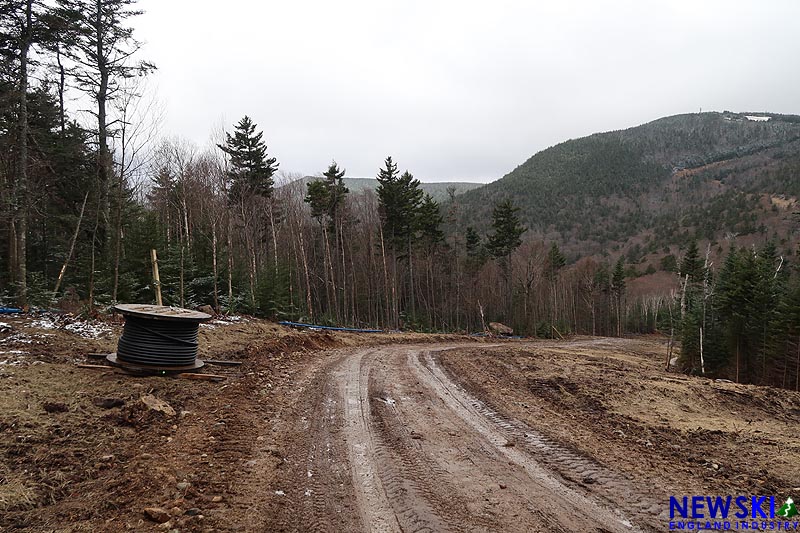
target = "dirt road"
x: 422, y: 454
x: 395, y: 432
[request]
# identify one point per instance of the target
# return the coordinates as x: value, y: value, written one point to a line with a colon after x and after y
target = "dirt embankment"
x: 611, y: 400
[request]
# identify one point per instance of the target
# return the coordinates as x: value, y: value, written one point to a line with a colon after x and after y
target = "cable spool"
x: 157, y: 337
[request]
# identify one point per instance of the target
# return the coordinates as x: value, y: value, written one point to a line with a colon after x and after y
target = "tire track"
x: 376, y: 511
x: 621, y: 493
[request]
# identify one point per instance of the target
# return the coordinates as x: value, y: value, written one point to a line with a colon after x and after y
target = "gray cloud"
x: 457, y: 89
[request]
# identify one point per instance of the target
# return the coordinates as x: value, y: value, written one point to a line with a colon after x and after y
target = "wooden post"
x: 156, y: 279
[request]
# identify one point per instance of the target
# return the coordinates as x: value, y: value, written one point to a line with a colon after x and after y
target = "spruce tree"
x: 250, y: 170
x: 428, y: 223
x: 505, y: 238
x: 336, y: 190
x: 692, y: 265
x: 507, y: 230
x: 472, y: 242
x: 399, y: 197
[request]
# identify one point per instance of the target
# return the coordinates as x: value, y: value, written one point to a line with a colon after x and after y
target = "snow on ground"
x: 88, y: 330
x: 224, y: 321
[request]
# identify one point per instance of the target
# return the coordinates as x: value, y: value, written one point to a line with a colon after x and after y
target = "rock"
x: 193, y: 511
x: 183, y: 485
x: 176, y: 511
x: 107, y: 458
x: 55, y: 407
x: 157, y: 514
x: 108, y: 403
x: 207, y: 309
x: 500, y: 329
x: 158, y: 405
x: 509, y: 444
x: 503, y: 486
x: 216, y: 499
x: 416, y: 436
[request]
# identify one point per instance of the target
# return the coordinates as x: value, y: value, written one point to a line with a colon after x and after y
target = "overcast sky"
x: 459, y: 90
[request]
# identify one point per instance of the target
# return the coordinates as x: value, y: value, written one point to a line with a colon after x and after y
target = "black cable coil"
x: 158, y: 342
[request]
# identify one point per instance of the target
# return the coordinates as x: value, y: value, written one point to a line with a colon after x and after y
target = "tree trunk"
x: 104, y: 169
x: 309, y: 304
x: 214, y: 269
x: 71, y: 247
x: 230, y: 267
x: 22, y: 202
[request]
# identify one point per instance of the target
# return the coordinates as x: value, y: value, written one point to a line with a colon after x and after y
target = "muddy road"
x: 395, y: 432
x: 395, y: 444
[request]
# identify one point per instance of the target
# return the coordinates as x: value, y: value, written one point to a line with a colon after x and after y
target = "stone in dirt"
x: 500, y: 329
x: 55, y: 407
x: 157, y: 514
x: 158, y: 405
x: 108, y: 403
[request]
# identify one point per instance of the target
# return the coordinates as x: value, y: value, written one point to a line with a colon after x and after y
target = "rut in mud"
x: 424, y: 455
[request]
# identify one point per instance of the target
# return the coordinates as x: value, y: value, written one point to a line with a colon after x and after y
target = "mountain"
x: 439, y: 191
x: 649, y: 189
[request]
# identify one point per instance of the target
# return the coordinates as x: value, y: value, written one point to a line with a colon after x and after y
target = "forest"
x: 83, y: 201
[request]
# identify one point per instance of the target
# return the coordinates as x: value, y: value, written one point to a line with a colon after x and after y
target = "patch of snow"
x: 280, y: 493
x: 87, y: 330
x: 17, y: 338
x: 4, y: 325
x: 757, y: 118
x: 387, y: 401
x: 224, y: 321
x: 44, y: 323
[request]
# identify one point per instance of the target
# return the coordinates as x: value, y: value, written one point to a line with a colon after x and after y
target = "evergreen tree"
x: 472, y: 242
x: 428, y: 222
x: 505, y: 238
x: 326, y: 196
x: 507, y: 231
x: 692, y: 265
x: 618, y: 290
x: 250, y: 170
x: 318, y: 198
x: 399, y: 197
x: 555, y: 261
x: 336, y: 190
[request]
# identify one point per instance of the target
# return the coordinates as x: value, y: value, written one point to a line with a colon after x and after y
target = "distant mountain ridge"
x: 438, y: 190
x: 647, y: 188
